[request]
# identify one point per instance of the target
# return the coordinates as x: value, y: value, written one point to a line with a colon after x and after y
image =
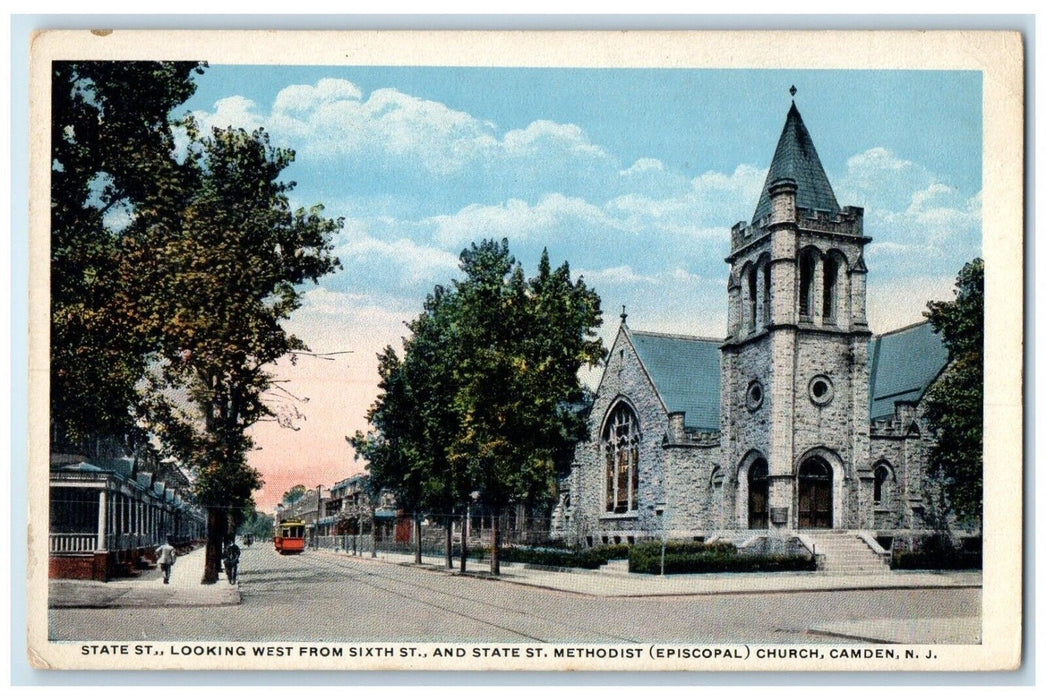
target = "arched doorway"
x: 815, y: 494
x: 758, y: 496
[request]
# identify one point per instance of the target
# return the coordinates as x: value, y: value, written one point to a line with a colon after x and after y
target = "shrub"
x: 575, y: 559
x: 936, y: 552
x: 612, y: 551
x: 700, y: 558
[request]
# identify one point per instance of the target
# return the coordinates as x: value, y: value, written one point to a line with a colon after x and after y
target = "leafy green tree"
x: 484, y: 400
x: 955, y: 402
x: 522, y: 346
x: 113, y: 164
x: 294, y: 494
x: 257, y: 524
x: 222, y: 284
x: 413, y: 422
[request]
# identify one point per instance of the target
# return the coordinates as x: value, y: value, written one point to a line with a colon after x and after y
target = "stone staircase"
x: 846, y: 554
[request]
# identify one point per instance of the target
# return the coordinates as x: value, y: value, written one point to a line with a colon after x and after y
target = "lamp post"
x: 660, y: 510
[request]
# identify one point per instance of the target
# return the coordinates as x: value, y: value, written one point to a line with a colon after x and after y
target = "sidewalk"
x: 615, y: 581
x: 147, y: 590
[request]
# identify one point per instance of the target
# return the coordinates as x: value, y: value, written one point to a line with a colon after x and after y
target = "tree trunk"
x: 448, y: 553
x: 495, y: 548
x: 464, y: 541
x: 417, y: 538
x: 217, y: 524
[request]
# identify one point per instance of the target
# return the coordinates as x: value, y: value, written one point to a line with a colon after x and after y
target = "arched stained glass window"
x: 621, y: 451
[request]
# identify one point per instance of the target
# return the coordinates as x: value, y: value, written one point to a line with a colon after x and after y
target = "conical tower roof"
x: 796, y: 159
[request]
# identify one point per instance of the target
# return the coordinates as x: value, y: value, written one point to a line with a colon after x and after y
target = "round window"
x: 821, y: 390
x: 754, y: 396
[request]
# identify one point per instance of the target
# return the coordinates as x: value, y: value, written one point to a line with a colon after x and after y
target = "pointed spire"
x: 796, y: 158
x: 624, y: 315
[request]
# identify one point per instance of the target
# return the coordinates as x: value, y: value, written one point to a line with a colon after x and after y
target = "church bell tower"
x: 794, y: 389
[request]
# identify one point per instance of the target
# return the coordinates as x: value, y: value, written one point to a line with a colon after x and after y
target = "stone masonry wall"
x: 625, y: 378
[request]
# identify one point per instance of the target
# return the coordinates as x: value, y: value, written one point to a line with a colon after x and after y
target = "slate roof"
x: 902, y: 365
x: 685, y: 373
x: 796, y: 158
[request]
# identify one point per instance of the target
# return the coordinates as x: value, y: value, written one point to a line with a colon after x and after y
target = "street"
x: 324, y: 597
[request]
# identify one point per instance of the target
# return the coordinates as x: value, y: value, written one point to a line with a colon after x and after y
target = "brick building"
x: 797, y: 423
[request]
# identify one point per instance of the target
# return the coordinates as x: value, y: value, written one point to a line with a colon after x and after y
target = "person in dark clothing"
x: 232, y: 561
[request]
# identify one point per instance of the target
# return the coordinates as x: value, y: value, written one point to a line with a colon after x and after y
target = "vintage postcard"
x: 526, y: 351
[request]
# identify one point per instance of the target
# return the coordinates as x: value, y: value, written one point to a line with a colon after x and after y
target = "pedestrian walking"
x: 232, y: 561
x: 165, y: 556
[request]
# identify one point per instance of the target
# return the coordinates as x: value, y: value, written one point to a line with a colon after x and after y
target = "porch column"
x: 103, y: 517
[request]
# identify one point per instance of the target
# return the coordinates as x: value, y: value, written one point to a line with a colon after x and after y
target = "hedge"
x: 945, y: 560
x: 935, y: 552
x: 574, y: 559
x: 701, y: 558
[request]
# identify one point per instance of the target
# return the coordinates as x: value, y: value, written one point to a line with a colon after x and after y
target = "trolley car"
x: 290, y: 536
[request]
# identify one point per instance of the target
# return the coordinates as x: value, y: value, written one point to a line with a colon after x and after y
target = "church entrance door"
x: 815, y: 494
x: 758, y: 496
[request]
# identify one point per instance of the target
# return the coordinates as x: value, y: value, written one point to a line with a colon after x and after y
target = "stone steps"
x: 846, y: 553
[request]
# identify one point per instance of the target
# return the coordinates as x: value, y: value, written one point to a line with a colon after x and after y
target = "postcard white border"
x: 998, y: 55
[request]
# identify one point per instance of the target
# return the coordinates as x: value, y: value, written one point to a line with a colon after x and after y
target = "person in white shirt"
x: 165, y: 556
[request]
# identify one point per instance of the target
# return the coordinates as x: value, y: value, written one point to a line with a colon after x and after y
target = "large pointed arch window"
x: 621, y: 452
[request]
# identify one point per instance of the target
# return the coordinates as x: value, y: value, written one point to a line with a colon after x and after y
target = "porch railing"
x: 76, y: 542
x: 73, y: 543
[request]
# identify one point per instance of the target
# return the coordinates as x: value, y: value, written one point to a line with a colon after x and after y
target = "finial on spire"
x: 792, y: 91
x: 624, y: 316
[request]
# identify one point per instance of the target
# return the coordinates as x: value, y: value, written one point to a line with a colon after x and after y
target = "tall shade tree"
x: 221, y: 286
x: 484, y: 401
x: 294, y: 493
x: 395, y: 462
x: 955, y: 402
x: 414, y: 421
x: 521, y: 346
x: 113, y: 164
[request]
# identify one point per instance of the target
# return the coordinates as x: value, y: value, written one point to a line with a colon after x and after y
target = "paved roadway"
x: 332, y: 598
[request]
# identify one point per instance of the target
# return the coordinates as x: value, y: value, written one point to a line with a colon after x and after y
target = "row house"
x: 108, y: 516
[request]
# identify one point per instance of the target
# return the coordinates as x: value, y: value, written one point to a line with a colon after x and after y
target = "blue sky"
x: 633, y: 176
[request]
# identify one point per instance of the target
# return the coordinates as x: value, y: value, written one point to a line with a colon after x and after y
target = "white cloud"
x: 910, y: 214
x: 391, y: 131
x: 623, y: 274
x: 645, y: 165
x: 231, y: 111
x: 554, y: 214
x: 895, y: 303
x: 400, y: 259
x: 302, y: 98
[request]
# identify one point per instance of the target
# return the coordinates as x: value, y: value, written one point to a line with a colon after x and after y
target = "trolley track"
x: 407, y: 587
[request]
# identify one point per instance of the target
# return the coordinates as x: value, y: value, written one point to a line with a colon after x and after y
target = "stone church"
x: 800, y: 419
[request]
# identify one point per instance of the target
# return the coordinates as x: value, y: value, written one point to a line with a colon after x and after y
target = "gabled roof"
x: 796, y: 159
x: 685, y: 373
x: 902, y: 365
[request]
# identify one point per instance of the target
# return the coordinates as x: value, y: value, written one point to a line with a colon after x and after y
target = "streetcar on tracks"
x: 290, y: 536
